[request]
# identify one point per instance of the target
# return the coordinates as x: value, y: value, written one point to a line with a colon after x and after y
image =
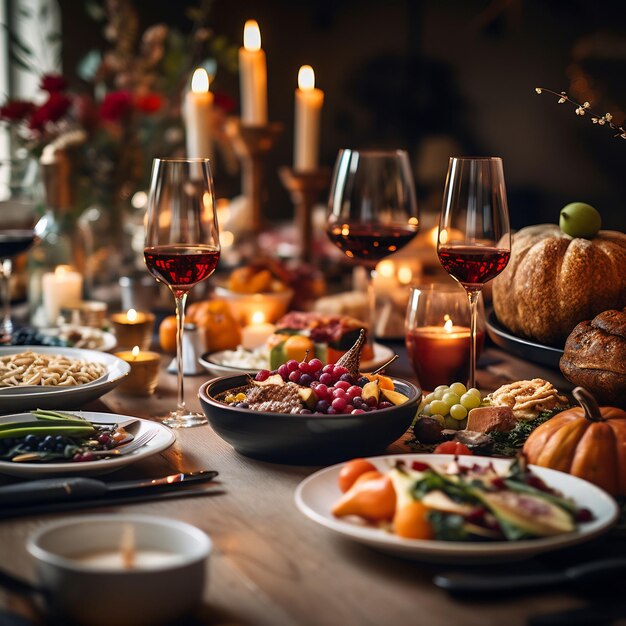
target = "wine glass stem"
x: 473, y: 295
x: 6, y: 326
x: 181, y: 299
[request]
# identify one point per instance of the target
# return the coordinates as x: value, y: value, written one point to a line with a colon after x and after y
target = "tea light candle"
x: 253, y: 77
x: 198, y: 112
x: 440, y: 354
x: 61, y: 288
x: 309, y: 101
x: 256, y: 333
x: 143, y: 377
x: 133, y: 328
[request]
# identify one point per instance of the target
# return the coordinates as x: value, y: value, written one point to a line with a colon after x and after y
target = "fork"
x: 127, y: 448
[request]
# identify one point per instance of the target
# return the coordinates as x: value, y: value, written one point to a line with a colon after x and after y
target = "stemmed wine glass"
x: 182, y: 245
x: 19, y: 228
x: 474, y: 241
x: 372, y: 210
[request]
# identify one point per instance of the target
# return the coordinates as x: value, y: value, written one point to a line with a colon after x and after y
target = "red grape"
x: 295, y: 376
x: 328, y: 369
x: 342, y: 384
x: 283, y: 370
x: 315, y: 365
x: 354, y: 391
x: 326, y: 379
x: 357, y: 411
x: 292, y: 365
x: 262, y: 375
x: 339, y: 404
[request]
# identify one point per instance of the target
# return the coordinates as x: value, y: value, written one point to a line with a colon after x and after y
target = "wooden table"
x: 273, y: 566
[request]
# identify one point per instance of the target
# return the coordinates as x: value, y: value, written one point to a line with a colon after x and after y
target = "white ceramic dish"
x: 164, y: 438
x: 101, y: 340
x: 140, y: 597
x: 316, y: 495
x: 64, y: 397
x: 213, y: 362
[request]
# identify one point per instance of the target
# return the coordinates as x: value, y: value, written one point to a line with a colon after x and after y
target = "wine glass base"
x: 185, y: 419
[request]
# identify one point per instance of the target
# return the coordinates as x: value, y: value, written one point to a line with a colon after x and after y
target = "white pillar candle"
x: 198, y: 112
x: 309, y: 101
x: 61, y: 288
x: 253, y: 77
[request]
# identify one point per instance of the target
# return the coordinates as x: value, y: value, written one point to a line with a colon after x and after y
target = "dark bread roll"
x: 595, y: 357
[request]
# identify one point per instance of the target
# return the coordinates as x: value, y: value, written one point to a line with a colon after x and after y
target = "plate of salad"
x: 53, y: 443
x: 442, y: 508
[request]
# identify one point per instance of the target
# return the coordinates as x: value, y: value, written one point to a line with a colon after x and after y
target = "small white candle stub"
x: 198, y: 117
x: 61, y: 288
x: 253, y: 77
x: 256, y: 333
x: 309, y: 101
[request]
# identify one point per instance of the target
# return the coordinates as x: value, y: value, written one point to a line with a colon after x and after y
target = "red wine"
x: 181, y: 266
x: 14, y: 242
x: 473, y: 265
x: 370, y: 242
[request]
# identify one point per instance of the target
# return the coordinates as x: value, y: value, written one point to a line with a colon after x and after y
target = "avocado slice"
x: 526, y: 513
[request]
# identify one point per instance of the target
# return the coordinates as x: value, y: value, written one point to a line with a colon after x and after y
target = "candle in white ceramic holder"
x: 253, y: 77
x: 198, y: 116
x: 61, y: 288
x: 257, y: 332
x: 309, y: 101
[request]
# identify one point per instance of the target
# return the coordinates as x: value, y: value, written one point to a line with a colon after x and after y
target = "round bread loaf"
x: 595, y: 357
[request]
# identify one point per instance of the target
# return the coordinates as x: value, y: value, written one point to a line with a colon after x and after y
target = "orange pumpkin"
x: 587, y: 441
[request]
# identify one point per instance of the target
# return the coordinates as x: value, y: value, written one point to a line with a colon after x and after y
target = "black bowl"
x: 305, y: 439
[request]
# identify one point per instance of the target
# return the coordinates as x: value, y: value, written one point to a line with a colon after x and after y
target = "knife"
x: 79, y: 488
x: 595, y: 572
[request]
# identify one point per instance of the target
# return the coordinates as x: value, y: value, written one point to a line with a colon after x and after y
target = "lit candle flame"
x: 258, y: 317
x: 62, y: 269
x: 306, y: 78
x: 251, y: 36
x: 135, y: 352
x: 386, y: 268
x: 200, y: 81
x: 448, y: 324
x: 131, y: 315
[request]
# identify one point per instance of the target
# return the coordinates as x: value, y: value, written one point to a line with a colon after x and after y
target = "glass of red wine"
x: 182, y: 246
x: 372, y: 210
x: 474, y: 240
x: 19, y: 228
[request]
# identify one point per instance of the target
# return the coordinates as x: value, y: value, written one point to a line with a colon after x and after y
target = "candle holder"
x: 251, y: 144
x: 438, y: 334
x: 133, y: 328
x: 143, y: 378
x: 304, y: 189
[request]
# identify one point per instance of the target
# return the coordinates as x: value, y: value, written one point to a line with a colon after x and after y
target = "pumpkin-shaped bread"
x: 588, y: 442
x: 554, y: 281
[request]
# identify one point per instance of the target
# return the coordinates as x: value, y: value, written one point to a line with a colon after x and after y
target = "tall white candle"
x: 309, y: 101
x: 253, y: 77
x: 198, y: 112
x: 63, y: 287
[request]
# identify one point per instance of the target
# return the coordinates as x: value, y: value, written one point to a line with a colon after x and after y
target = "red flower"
x: 53, y: 83
x: 16, y: 110
x: 52, y: 110
x: 116, y: 105
x: 148, y: 103
x: 224, y: 102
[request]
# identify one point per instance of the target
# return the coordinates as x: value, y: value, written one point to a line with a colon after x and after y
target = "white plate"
x: 316, y: 495
x: 64, y: 397
x: 104, y: 341
x: 213, y: 362
x: 164, y: 438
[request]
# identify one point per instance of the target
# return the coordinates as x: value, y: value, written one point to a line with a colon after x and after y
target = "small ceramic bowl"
x: 159, y: 590
x: 305, y: 439
x: 243, y: 306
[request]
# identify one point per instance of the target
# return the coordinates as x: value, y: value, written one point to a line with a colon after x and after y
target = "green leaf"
x: 448, y: 527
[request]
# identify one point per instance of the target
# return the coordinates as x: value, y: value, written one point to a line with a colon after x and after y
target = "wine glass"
x: 19, y: 228
x: 372, y: 210
x: 182, y: 246
x: 474, y: 240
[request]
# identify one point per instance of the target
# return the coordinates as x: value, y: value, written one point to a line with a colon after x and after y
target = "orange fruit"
x: 167, y: 334
x: 351, y: 471
x: 384, y: 382
x: 411, y: 522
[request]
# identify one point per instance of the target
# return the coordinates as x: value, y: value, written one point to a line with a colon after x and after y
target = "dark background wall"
x: 440, y: 77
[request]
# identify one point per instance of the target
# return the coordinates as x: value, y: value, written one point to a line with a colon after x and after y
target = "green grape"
x: 430, y: 397
x: 458, y: 412
x: 442, y: 388
x: 451, y: 398
x: 426, y: 410
x: 458, y: 388
x: 475, y: 392
x: 439, y: 406
x: 451, y: 423
x: 470, y: 400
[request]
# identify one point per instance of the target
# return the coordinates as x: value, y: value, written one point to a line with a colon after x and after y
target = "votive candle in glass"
x: 133, y: 328
x: 143, y: 378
